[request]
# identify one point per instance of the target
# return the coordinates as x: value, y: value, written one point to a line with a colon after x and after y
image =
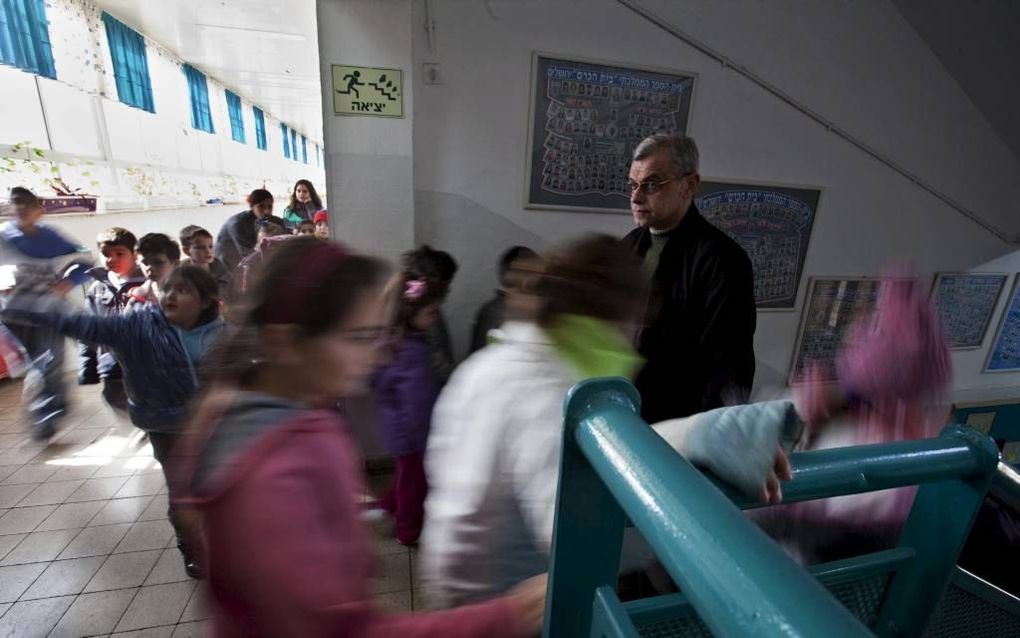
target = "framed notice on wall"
x: 1005, y: 353
x: 585, y: 119
x: 773, y: 224
x: 832, y: 306
x: 965, y: 303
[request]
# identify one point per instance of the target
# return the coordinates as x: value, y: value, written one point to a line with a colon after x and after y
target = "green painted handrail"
x: 739, y: 580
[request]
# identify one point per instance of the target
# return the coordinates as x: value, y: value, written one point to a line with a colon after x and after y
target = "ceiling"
x: 978, y: 44
x: 264, y: 50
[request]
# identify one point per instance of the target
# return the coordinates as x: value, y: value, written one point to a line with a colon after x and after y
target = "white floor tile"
x: 156, y: 605
x: 9, y: 542
x: 16, y: 579
x: 156, y: 510
x: 39, y: 547
x: 146, y: 535
x: 93, y: 614
x: 122, y: 510
x: 153, y: 632
x: 10, y: 495
x: 143, y: 485
x: 193, y: 630
x: 64, y: 578
x: 33, y: 618
x: 198, y: 607
x: 50, y: 493
x: 70, y: 515
x: 31, y: 474
x: 123, y: 570
x: 96, y: 489
x: 169, y: 569
x: 95, y: 541
x: 24, y: 519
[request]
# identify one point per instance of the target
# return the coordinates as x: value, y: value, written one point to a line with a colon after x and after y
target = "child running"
x: 159, y: 347
x: 278, y: 478
x: 405, y: 391
x: 37, y: 262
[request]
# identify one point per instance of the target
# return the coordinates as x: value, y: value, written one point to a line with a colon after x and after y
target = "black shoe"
x: 44, y: 432
x: 192, y: 566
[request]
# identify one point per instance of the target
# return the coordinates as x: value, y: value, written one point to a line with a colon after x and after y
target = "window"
x: 201, y: 117
x: 293, y: 144
x: 25, y: 36
x: 130, y: 64
x: 286, y: 141
x: 236, y: 119
x: 304, y: 149
x: 260, y: 128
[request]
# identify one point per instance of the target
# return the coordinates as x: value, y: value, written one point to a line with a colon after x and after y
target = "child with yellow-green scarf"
x: 494, y: 449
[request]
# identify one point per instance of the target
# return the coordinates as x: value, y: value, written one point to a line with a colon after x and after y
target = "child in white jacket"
x: 494, y: 450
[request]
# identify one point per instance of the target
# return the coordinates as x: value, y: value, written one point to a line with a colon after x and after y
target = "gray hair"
x: 682, y: 150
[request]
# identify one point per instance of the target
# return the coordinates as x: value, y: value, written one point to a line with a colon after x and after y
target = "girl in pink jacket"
x: 278, y: 480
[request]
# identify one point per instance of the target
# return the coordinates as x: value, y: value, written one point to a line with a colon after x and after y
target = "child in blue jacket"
x: 159, y: 348
x: 109, y: 294
x: 37, y: 262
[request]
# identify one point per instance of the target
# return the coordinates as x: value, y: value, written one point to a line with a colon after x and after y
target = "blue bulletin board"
x: 1005, y: 352
x: 965, y: 303
x: 831, y: 308
x: 586, y: 118
x: 772, y: 224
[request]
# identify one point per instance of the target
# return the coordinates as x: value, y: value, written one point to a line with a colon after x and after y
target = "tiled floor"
x: 85, y: 547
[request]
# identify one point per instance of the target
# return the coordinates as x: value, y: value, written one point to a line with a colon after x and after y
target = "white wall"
x: 858, y: 64
x: 369, y: 159
x: 131, y: 158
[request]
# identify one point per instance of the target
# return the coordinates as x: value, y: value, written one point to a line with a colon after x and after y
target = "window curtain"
x: 236, y: 118
x: 286, y: 141
x: 201, y: 117
x: 293, y: 144
x: 318, y: 158
x: 25, y: 36
x: 260, y: 128
x: 304, y: 149
x: 130, y: 65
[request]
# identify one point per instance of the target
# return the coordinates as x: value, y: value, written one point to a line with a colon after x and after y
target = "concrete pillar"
x: 369, y: 164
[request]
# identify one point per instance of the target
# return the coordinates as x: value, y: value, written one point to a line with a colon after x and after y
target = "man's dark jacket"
x: 698, y: 337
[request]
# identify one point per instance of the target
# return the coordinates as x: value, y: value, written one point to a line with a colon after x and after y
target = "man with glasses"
x: 698, y: 334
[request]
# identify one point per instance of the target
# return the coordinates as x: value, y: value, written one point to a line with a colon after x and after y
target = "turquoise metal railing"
x: 739, y: 581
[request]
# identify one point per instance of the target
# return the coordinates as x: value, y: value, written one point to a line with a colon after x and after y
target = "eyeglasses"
x: 651, y: 187
x: 373, y: 336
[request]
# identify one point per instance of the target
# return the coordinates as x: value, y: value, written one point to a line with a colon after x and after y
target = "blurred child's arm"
x: 740, y: 444
x: 110, y: 331
x: 88, y: 361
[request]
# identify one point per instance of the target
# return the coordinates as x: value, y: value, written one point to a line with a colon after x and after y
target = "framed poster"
x: 773, y: 224
x: 832, y: 306
x: 584, y: 121
x: 1005, y: 353
x: 965, y: 303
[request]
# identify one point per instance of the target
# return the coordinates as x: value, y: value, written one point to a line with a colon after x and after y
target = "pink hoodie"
x: 287, y: 554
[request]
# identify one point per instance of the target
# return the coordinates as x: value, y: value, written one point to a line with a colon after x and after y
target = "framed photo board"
x: 773, y: 224
x: 585, y: 119
x: 1004, y: 355
x: 832, y: 306
x: 965, y: 303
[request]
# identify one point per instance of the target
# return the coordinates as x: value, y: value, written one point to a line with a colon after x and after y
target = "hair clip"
x: 414, y: 289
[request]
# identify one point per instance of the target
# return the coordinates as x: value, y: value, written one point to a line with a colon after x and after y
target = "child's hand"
x: 528, y: 600
x: 781, y: 471
x: 62, y: 287
x: 739, y: 444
